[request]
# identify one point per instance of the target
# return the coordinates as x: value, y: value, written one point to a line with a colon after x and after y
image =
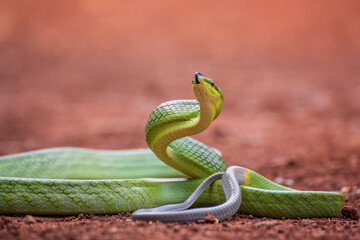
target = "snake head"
x: 206, y: 92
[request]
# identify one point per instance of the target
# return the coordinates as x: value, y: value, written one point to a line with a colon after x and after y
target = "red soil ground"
x: 88, y: 74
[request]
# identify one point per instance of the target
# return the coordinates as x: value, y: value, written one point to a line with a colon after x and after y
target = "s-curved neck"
x: 179, y: 129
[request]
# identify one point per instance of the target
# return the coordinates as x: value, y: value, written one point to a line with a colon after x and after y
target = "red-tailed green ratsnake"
x: 67, y: 181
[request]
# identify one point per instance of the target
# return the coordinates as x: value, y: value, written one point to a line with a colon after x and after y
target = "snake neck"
x: 185, y: 128
x: 163, y: 136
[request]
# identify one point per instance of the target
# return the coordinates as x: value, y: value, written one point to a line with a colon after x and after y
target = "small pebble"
x: 209, y: 218
x: 279, y: 180
x: 28, y: 219
x: 345, y: 189
x: 289, y: 182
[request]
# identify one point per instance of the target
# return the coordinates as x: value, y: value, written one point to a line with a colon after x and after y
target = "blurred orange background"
x: 88, y: 73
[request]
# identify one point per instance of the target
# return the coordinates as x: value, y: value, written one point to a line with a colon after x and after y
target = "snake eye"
x: 212, y: 83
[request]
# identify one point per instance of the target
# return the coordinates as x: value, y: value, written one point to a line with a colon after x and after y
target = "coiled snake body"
x: 66, y: 181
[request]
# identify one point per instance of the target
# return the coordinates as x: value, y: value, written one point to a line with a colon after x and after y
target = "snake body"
x: 67, y: 181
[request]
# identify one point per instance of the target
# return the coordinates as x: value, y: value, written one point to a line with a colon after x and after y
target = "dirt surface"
x: 88, y: 74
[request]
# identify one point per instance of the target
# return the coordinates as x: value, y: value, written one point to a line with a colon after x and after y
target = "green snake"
x: 68, y: 181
